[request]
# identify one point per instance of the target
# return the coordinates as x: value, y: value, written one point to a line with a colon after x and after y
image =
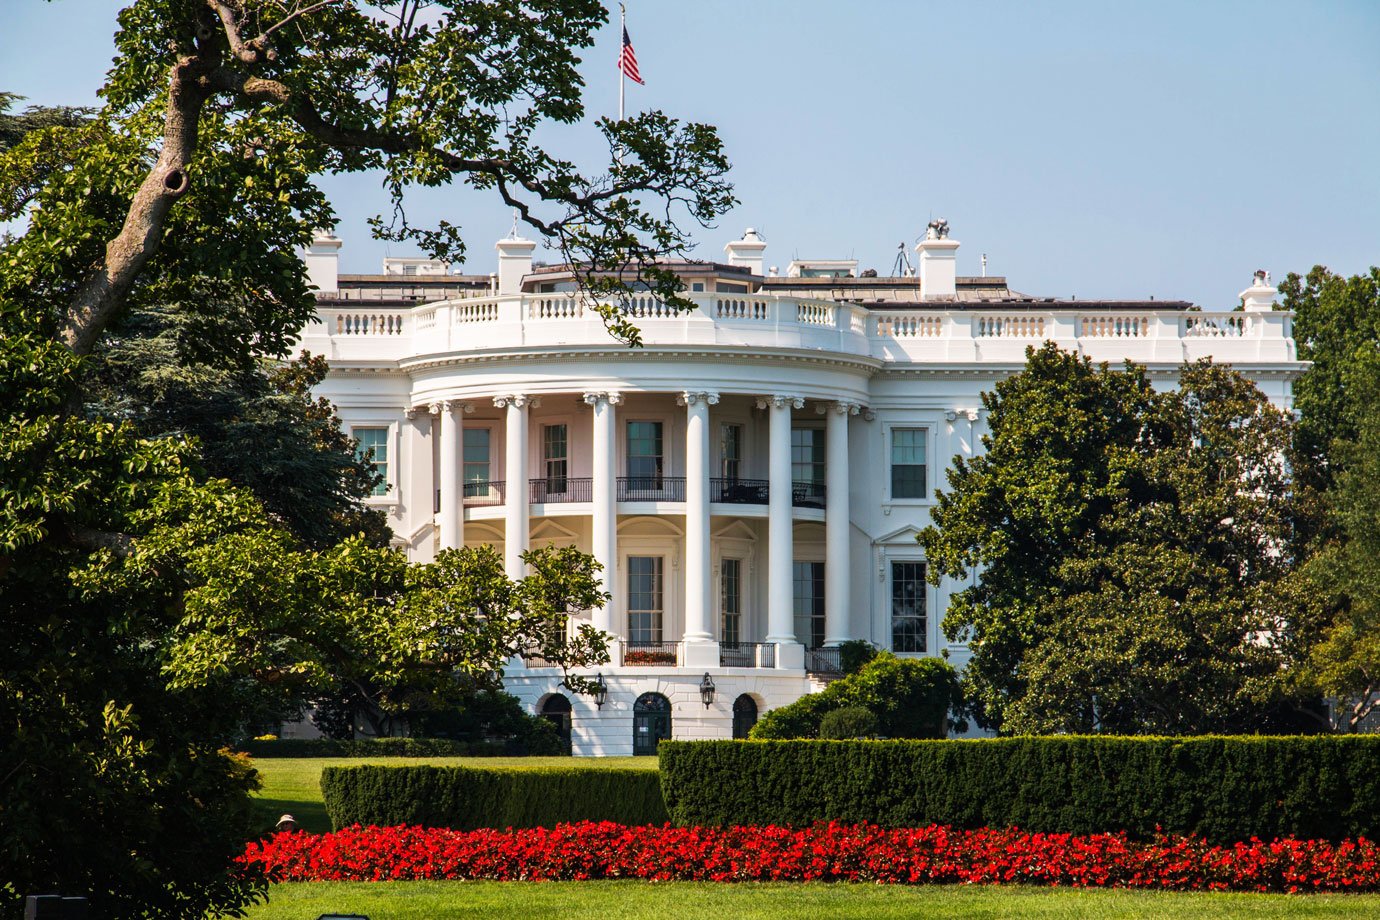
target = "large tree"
x: 1129, y: 543
x: 142, y: 599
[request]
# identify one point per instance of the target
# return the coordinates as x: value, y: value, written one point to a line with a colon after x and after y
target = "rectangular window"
x: 731, y: 601
x: 375, y: 440
x: 644, y: 598
x: 909, y: 624
x: 475, y: 472
x: 809, y: 603
x: 731, y: 452
x: 554, y: 458
x: 908, y: 462
x: 644, y: 455
x: 807, y: 455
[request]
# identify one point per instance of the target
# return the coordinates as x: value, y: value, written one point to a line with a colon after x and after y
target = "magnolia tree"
x: 146, y: 603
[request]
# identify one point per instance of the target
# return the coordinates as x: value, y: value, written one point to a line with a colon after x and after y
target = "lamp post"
x: 707, y: 690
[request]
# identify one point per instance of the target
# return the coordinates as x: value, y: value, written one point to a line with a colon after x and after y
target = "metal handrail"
x: 824, y: 660
x: 807, y: 494
x: 747, y: 654
x: 739, y: 491
x: 553, y: 489
x: 483, y: 492
x: 650, y: 654
x: 651, y: 488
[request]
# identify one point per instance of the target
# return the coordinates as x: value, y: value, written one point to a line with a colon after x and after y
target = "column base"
x: 790, y: 656
x: 699, y: 654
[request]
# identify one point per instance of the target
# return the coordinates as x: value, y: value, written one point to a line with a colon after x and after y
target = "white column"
x: 780, y: 539
x: 837, y: 587
x: 450, y: 519
x: 516, y: 526
x: 605, y: 512
x: 701, y: 648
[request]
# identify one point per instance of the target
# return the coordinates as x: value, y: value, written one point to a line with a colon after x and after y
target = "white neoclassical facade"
x: 752, y: 479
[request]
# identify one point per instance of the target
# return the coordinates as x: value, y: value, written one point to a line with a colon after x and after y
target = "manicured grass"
x: 776, y: 901
x: 292, y: 785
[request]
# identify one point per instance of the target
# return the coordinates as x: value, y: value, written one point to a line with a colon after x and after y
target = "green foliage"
x: 910, y: 698
x: 1132, y: 545
x: 1223, y: 788
x: 848, y: 723
x: 855, y: 653
x: 540, y: 744
x: 466, y: 798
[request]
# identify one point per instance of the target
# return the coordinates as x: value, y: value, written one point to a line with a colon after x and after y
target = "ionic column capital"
x: 690, y: 398
x: 778, y: 401
x: 954, y: 415
x: 594, y: 397
x: 839, y: 408
x: 442, y: 406
x: 517, y: 400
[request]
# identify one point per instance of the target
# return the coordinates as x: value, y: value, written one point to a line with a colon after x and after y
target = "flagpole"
x: 623, y: 29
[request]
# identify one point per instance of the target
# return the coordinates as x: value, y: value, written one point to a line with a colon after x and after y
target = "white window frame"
x: 392, y: 490
x: 491, y: 426
x: 928, y: 426
x: 889, y: 553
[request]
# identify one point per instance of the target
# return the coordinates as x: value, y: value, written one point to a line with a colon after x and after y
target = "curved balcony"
x: 935, y: 334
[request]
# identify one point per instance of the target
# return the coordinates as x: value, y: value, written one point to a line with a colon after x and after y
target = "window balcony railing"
x: 739, y: 491
x: 747, y: 654
x: 807, y: 494
x: 562, y: 489
x: 483, y: 492
x: 651, y: 488
x: 650, y: 654
x: 824, y: 661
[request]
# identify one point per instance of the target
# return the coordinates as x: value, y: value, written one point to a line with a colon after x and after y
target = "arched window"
x: 744, y: 715
x: 651, y: 722
x: 556, y: 710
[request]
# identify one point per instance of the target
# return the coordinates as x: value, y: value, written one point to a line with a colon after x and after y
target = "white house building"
x: 752, y: 480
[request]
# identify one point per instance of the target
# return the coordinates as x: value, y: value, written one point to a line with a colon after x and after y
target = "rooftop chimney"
x: 938, y: 262
x: 323, y: 261
x: 1260, y: 296
x: 514, y: 262
x: 747, y: 252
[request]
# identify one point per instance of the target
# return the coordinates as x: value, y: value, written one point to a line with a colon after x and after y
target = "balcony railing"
x: 739, y: 491
x: 824, y: 661
x: 651, y: 488
x: 483, y: 492
x: 747, y: 655
x: 807, y: 494
x: 649, y: 654
x: 563, y: 489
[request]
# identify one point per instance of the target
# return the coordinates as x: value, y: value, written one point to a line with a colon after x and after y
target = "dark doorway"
x: 744, y: 715
x: 556, y: 710
x: 651, y: 722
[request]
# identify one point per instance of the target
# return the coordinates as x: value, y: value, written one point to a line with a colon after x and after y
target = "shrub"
x: 855, y: 653
x: 848, y: 723
x: 832, y: 852
x: 911, y: 698
x: 543, y: 744
x: 1221, y: 788
x: 465, y: 797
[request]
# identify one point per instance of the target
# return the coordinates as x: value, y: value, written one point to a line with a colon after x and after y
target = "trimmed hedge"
x: 1224, y: 789
x: 466, y: 798
x: 395, y: 747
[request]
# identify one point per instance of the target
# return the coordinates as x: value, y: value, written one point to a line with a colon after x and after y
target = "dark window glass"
x: 809, y: 603
x: 909, y: 624
x: 908, y: 463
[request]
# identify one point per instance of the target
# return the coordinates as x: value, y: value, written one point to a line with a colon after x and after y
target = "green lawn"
x: 293, y: 785
x: 775, y: 901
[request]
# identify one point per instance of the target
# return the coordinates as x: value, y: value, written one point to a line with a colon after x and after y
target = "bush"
x: 545, y: 744
x: 467, y: 798
x: 1220, y: 788
x: 848, y: 723
x: 823, y: 852
x: 855, y: 653
x: 911, y: 698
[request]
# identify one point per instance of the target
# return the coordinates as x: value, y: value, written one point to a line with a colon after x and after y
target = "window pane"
x: 554, y: 446
x: 476, y: 461
x: 731, y: 452
x: 908, y: 463
x: 375, y: 440
x: 731, y: 601
x: 644, y: 454
x: 909, y: 623
x: 807, y: 455
x: 808, y: 602
x: 644, y: 598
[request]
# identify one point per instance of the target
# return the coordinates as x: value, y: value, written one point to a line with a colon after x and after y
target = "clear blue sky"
x: 1093, y: 149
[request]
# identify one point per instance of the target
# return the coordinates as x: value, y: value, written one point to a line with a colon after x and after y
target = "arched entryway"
x: 651, y: 722
x: 744, y: 715
x: 556, y: 710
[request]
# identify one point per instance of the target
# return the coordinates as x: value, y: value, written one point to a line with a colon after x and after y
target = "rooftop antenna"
x: 512, y: 234
x: 984, y: 265
x: 902, y: 268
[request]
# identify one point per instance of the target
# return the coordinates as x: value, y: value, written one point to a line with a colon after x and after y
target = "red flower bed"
x: 826, y: 852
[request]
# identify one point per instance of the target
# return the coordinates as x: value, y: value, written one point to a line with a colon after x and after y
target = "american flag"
x: 627, y: 61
